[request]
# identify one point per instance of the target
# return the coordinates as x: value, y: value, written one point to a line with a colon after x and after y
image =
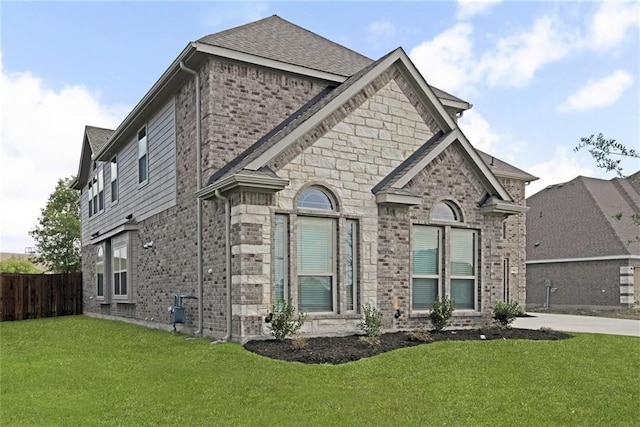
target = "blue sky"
x: 540, y: 75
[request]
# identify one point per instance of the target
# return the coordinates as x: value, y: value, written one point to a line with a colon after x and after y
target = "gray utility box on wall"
x: 177, y: 310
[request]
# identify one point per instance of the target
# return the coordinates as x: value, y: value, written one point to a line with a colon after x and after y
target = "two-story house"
x: 269, y: 164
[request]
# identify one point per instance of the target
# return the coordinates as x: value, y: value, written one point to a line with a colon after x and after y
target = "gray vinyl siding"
x: 140, y: 200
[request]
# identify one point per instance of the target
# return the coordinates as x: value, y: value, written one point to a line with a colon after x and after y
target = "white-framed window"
x: 463, y: 254
x: 143, y: 156
x: 120, y: 269
x: 281, y: 259
x: 114, y: 180
x: 351, y: 265
x: 100, y: 271
x: 444, y: 258
x: 316, y: 250
x: 426, y: 267
x: 322, y: 277
x: 96, y: 191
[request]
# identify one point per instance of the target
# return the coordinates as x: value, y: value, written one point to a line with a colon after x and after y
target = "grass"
x: 83, y: 371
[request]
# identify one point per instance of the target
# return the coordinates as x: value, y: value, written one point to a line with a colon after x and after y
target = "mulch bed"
x: 337, y: 350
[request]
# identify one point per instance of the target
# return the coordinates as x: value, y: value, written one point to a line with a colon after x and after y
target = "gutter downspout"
x: 198, y: 141
x: 227, y: 241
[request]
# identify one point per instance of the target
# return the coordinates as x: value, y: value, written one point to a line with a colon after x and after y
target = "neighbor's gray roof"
x: 577, y: 219
x: 504, y: 169
x: 280, y: 40
x: 97, y: 137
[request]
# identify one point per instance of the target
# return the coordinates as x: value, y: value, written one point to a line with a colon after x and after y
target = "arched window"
x: 445, y: 211
x: 325, y: 243
x: 315, y: 198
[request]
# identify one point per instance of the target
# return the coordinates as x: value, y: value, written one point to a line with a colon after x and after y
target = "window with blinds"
x: 463, y: 276
x: 444, y: 262
x: 426, y: 266
x: 316, y: 265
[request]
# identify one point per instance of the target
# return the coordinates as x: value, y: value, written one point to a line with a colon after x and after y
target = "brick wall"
x: 575, y: 284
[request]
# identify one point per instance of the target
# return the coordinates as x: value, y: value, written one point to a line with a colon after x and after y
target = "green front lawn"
x: 83, y: 371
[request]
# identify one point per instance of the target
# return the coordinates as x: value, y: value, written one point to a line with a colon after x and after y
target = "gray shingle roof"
x: 577, y: 219
x: 97, y: 137
x: 504, y: 169
x: 280, y: 40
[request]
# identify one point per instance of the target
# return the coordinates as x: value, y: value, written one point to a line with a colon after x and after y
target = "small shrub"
x: 371, y: 341
x: 283, y: 322
x: 441, y: 312
x: 371, y: 324
x: 299, y: 343
x: 504, y: 313
x: 421, y: 333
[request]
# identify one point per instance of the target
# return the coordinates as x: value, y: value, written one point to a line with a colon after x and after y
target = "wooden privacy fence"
x: 28, y: 296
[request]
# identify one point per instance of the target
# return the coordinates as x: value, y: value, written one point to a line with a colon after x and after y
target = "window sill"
x: 456, y: 313
x: 320, y: 316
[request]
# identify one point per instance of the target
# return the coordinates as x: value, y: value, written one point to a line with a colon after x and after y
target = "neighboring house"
x: 583, y: 248
x: 270, y: 164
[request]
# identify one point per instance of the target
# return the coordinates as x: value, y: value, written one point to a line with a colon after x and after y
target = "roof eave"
x: 390, y: 198
x: 502, y: 207
x: 267, y: 63
x: 243, y: 181
x: 155, y: 93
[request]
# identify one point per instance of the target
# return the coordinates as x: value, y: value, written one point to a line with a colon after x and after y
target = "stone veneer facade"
x: 348, y: 154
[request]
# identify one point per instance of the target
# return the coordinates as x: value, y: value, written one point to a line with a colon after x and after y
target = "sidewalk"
x: 570, y: 323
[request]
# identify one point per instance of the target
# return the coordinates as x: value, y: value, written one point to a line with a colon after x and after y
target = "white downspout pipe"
x: 196, y: 76
x: 227, y: 241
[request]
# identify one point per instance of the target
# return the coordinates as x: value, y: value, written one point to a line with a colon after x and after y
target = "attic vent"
x: 540, y: 214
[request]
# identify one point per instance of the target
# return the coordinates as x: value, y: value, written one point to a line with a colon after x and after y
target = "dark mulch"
x: 336, y: 350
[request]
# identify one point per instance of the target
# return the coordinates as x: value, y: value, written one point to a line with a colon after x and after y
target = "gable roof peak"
x: 278, y: 39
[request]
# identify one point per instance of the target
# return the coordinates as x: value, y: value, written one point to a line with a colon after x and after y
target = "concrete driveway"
x: 570, y: 323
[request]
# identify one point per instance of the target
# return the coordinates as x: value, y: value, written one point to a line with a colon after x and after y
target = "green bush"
x: 441, y: 312
x: 282, y: 320
x: 371, y: 324
x: 16, y: 265
x: 504, y: 313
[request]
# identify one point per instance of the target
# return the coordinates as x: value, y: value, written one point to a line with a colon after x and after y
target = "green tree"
x: 15, y: 265
x: 602, y: 150
x: 57, y: 234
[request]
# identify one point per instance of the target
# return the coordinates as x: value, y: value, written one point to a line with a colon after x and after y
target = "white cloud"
x: 517, y: 57
x: 562, y: 167
x: 609, y: 25
x: 447, y: 61
x: 41, y: 135
x: 479, y: 131
x: 470, y: 8
x: 598, y: 93
x: 380, y: 32
x: 381, y: 29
